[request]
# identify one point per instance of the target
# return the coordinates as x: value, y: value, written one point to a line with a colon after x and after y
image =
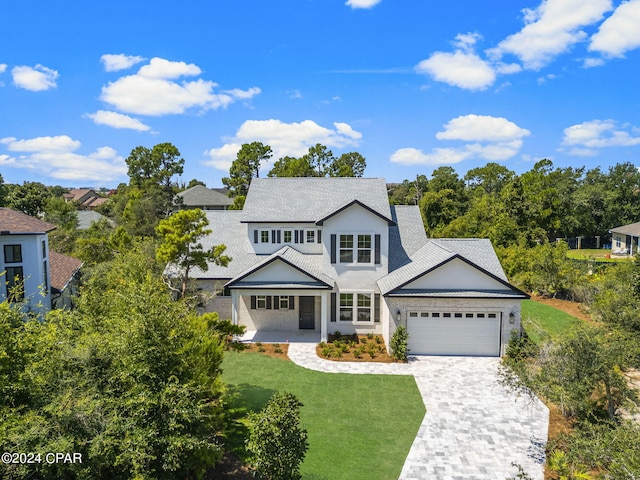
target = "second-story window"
x: 310, y: 236
x: 288, y: 237
x: 13, y: 253
x: 355, y: 248
x: 264, y: 236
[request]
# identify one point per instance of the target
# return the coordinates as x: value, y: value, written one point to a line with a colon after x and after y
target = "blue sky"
x: 410, y: 84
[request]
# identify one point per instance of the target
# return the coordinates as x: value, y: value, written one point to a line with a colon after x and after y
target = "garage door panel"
x: 454, y: 336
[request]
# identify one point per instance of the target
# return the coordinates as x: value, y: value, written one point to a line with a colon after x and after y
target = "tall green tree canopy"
x: 156, y: 165
x: 245, y: 167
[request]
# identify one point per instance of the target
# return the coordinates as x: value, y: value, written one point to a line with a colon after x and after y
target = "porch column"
x: 234, y: 306
x: 324, y: 315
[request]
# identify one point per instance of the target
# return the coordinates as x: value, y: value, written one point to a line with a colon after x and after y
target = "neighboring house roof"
x: 631, y: 229
x: 85, y: 197
x: 476, y: 252
x: 87, y: 217
x: 201, y: 196
x: 309, y: 200
x: 13, y: 222
x: 62, y: 270
x: 310, y: 265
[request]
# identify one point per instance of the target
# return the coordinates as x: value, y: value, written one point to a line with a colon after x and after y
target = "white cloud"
x: 36, y: 78
x: 438, y: 156
x: 3, y: 67
x: 285, y: 139
x: 120, y: 61
x: 620, y: 32
x: 460, y: 69
x: 481, y: 128
x: 154, y: 91
x: 584, y: 138
x: 550, y: 30
x: 494, y: 139
x: 117, y: 120
x: 56, y: 157
x: 362, y: 3
x: 294, y: 94
x: 592, y: 62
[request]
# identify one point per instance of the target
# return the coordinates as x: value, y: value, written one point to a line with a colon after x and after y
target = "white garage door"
x: 454, y: 333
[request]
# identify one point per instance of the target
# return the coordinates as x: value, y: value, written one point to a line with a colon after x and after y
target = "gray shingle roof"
x: 437, y: 251
x: 631, y: 229
x: 227, y: 230
x: 407, y: 236
x: 309, y: 264
x: 311, y: 199
x: 201, y: 196
x: 87, y: 217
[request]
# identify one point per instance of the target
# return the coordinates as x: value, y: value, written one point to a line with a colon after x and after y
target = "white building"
x: 326, y: 254
x: 26, y: 264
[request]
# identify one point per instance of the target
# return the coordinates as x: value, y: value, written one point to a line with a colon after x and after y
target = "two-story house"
x: 326, y: 254
x: 29, y: 272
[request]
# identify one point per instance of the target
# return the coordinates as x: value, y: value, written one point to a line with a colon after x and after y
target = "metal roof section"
x: 308, y: 200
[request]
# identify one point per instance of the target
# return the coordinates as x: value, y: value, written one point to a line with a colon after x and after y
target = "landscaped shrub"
x: 277, y: 443
x: 399, y: 348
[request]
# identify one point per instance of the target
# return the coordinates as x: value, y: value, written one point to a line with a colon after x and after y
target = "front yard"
x: 360, y: 426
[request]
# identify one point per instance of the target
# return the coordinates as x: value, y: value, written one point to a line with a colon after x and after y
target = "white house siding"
x: 36, y: 298
x: 354, y: 220
x: 267, y: 248
x: 505, y: 307
x: 456, y: 275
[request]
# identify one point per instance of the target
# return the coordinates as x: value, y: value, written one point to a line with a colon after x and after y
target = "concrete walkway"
x: 473, y: 429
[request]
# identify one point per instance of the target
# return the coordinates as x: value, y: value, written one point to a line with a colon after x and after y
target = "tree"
x: 155, y: 166
x: 277, y: 443
x: 245, y: 167
x: 492, y: 177
x: 30, y: 198
x: 130, y: 380
x: 320, y: 158
x: 181, y: 234
x: 350, y: 164
x: 292, y: 167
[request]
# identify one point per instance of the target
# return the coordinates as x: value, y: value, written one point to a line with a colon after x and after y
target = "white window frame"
x: 261, y: 302
x: 355, y: 247
x: 283, y: 302
x: 261, y: 235
x: 284, y: 236
x: 309, y: 235
x: 354, y: 308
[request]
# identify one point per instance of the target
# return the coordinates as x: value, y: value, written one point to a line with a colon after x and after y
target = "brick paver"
x: 473, y: 429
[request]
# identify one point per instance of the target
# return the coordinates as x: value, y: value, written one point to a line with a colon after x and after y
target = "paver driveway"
x: 473, y: 429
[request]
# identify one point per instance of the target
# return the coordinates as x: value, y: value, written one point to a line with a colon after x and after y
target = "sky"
x: 410, y: 84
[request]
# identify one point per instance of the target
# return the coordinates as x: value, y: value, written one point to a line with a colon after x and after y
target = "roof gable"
x: 475, y: 256
x: 200, y: 195
x: 631, y: 229
x: 389, y: 221
x: 310, y: 199
x: 287, y: 265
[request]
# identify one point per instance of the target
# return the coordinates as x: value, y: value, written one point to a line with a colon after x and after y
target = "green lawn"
x: 360, y: 426
x: 593, y: 254
x: 541, y: 320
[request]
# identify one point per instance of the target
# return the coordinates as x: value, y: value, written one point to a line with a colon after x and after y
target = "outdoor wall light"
x: 398, y: 315
x: 512, y: 317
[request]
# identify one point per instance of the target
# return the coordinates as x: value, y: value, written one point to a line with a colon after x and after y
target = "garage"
x: 454, y: 333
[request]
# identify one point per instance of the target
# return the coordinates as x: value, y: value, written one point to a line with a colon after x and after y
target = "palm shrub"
x: 276, y: 442
x: 399, y: 348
